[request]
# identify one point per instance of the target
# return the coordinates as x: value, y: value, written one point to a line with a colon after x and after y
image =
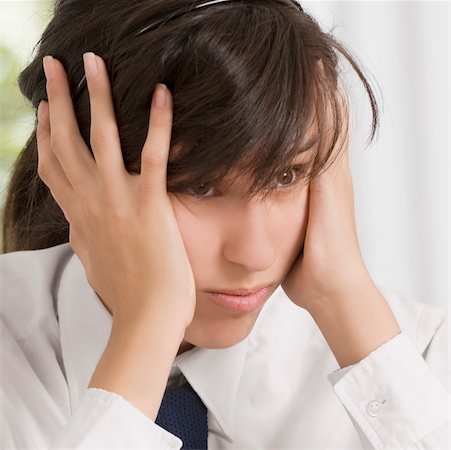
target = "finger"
x: 66, y: 141
x: 342, y: 163
x: 154, y: 157
x: 105, y: 141
x: 337, y: 167
x: 339, y: 157
x: 49, y: 168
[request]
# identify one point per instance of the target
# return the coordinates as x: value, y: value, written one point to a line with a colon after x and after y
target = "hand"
x: 122, y: 226
x: 330, y: 262
x: 329, y: 279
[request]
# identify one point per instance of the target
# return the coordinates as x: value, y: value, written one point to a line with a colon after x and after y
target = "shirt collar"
x: 85, y: 326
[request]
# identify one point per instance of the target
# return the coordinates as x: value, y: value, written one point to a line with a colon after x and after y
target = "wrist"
x: 137, y: 361
x: 146, y: 325
x: 355, y: 322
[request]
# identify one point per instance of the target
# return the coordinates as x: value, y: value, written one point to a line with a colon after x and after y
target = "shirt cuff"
x: 392, y: 396
x: 105, y: 419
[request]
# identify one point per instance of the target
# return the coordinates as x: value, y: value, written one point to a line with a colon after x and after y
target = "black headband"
x: 175, y: 14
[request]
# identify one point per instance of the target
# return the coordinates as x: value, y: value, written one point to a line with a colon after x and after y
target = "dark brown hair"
x: 248, y: 81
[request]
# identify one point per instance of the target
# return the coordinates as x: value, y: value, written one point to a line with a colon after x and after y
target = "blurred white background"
x: 21, y: 24
x: 401, y: 181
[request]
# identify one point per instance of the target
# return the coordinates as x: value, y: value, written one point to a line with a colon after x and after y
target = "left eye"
x: 286, y: 179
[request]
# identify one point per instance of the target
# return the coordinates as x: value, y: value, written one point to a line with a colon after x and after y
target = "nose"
x: 247, y: 239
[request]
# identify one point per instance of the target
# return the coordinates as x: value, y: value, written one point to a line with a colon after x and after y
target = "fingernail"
x: 161, y: 95
x: 90, y: 64
x: 49, y: 67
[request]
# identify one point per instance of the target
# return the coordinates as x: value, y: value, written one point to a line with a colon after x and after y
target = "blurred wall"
x: 401, y: 181
x: 21, y: 24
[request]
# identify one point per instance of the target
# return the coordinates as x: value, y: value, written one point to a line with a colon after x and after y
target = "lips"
x: 241, y: 291
x: 241, y: 304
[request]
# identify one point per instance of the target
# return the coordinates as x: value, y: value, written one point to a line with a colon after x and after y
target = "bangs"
x: 270, y: 150
x: 267, y: 105
x: 253, y: 85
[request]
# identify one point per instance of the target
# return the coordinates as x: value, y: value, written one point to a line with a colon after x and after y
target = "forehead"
x: 237, y: 176
x: 242, y: 182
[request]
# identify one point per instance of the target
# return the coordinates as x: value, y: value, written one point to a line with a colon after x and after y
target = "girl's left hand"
x: 330, y: 262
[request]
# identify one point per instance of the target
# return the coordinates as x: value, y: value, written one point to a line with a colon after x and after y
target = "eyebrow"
x: 303, y: 156
x: 310, y: 143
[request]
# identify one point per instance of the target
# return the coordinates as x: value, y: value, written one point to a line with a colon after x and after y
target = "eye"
x: 200, y: 190
x: 285, y: 180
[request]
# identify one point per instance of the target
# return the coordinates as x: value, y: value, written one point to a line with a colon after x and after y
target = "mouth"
x: 241, y: 300
x: 241, y: 291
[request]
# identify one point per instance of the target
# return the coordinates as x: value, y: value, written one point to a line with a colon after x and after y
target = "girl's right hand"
x: 122, y: 226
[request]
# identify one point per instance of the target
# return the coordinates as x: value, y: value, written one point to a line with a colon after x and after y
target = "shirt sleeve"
x: 397, y: 397
x: 105, y: 419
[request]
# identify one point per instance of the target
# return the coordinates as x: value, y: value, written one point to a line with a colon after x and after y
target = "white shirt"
x: 281, y: 387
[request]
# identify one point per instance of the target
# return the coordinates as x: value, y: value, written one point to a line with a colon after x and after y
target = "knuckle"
x: 99, y: 141
x: 59, y: 138
x: 153, y: 159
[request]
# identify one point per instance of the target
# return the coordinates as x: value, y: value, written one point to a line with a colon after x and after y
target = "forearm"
x: 137, y: 361
x: 355, y: 323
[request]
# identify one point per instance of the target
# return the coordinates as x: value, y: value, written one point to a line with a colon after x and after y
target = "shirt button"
x: 373, y: 408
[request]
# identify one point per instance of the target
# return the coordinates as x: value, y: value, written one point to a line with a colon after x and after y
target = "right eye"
x: 200, y: 191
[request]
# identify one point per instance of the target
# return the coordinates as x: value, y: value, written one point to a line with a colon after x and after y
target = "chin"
x: 220, y: 333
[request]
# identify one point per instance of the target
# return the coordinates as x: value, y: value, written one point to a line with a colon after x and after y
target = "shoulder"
x: 33, y: 376
x: 14, y: 260
x: 29, y: 279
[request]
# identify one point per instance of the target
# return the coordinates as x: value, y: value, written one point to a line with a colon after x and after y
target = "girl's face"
x: 235, y: 243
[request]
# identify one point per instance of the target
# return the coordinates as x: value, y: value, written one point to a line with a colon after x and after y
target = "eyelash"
x: 296, y: 169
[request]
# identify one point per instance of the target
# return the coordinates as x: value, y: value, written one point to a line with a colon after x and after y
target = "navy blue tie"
x: 183, y: 413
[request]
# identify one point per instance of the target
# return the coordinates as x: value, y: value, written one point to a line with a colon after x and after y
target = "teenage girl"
x: 181, y: 258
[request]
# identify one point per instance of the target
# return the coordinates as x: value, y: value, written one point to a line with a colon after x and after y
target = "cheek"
x: 200, y: 230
